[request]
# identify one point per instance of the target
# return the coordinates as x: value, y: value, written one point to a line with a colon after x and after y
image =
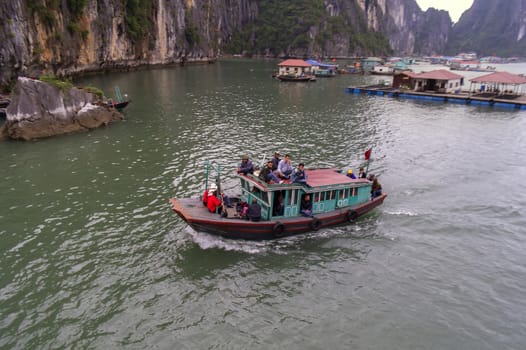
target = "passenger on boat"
x: 350, y: 174
x: 214, y: 204
x: 306, y: 206
x: 275, y: 161
x: 246, y: 166
x: 376, y: 189
x: 362, y: 174
x: 284, y: 168
x: 208, y: 192
x: 254, y: 211
x: 267, y: 175
x: 299, y: 175
x: 279, y: 205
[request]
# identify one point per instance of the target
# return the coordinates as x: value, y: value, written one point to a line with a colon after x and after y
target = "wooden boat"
x: 120, y: 103
x: 296, y: 78
x: 336, y: 199
x: 117, y: 105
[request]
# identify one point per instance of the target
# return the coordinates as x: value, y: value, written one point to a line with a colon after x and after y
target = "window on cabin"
x: 450, y: 85
x: 332, y: 195
x: 354, y: 191
x: 317, y: 196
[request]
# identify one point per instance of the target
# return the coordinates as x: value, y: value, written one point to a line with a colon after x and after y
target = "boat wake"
x: 283, y: 245
x: 402, y: 212
x: 208, y: 241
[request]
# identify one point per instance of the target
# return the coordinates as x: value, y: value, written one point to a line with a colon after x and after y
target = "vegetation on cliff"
x: 284, y: 27
x: 491, y: 28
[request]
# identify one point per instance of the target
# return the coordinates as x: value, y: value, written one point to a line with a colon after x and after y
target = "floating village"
x: 445, y: 84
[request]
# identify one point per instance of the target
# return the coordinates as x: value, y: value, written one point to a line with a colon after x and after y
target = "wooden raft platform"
x: 473, y: 99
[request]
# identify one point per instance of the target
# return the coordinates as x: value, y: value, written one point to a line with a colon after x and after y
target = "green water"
x: 93, y: 258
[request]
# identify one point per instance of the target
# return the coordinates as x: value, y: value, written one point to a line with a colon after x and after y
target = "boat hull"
x: 303, y: 79
x: 197, y: 216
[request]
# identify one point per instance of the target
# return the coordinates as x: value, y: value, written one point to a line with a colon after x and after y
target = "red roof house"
x: 441, y: 80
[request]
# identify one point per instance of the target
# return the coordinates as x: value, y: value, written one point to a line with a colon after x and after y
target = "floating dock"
x: 474, y: 99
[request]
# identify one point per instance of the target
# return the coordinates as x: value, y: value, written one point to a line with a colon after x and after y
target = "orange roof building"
x: 294, y: 68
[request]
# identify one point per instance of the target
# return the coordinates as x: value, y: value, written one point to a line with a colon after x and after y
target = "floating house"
x: 294, y: 68
x: 501, y: 84
x: 369, y: 63
x: 381, y: 69
x: 440, y: 80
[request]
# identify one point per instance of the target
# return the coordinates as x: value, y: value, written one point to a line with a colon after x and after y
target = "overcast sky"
x: 454, y: 7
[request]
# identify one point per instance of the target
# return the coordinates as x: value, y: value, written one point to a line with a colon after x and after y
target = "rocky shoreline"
x: 39, y: 110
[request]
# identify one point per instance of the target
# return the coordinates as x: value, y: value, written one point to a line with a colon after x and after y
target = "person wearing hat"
x: 246, y: 166
x: 350, y: 174
x: 267, y: 175
x: 275, y: 161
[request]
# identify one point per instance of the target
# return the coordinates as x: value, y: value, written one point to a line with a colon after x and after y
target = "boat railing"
x: 213, y: 169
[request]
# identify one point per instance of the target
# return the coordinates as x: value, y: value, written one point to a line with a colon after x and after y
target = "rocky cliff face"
x: 63, y: 37
x: 491, y: 27
x: 409, y: 29
x: 71, y: 36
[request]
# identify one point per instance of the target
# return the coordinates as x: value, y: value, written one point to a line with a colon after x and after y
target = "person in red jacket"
x: 213, y: 203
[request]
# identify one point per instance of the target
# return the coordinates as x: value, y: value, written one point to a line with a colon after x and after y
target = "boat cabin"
x: 328, y: 189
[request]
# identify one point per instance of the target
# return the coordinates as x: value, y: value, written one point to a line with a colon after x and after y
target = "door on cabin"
x: 291, y: 203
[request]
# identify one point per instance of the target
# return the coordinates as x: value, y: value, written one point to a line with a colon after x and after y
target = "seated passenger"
x: 376, y: 189
x: 214, y: 204
x: 284, y: 168
x: 246, y: 166
x: 306, y: 206
x: 208, y: 192
x: 362, y: 174
x: 275, y: 161
x: 267, y: 175
x: 299, y: 175
x: 350, y: 174
x: 254, y: 211
x: 279, y: 204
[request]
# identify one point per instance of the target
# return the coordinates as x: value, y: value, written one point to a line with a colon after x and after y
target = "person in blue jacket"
x: 246, y: 166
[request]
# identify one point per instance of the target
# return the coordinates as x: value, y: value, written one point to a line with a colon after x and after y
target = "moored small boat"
x: 336, y: 199
x: 294, y: 78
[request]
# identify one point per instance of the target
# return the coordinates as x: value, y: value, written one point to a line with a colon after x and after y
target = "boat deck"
x: 474, y: 99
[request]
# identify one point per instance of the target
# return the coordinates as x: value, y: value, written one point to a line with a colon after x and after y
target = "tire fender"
x: 351, y: 215
x: 278, y: 230
x: 315, y: 224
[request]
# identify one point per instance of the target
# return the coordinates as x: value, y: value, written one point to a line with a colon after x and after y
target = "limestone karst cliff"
x: 65, y: 37
x: 491, y: 27
x: 71, y: 36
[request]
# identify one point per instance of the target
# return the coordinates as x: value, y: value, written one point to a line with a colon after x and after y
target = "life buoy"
x: 278, y: 230
x: 351, y: 215
x: 315, y: 224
